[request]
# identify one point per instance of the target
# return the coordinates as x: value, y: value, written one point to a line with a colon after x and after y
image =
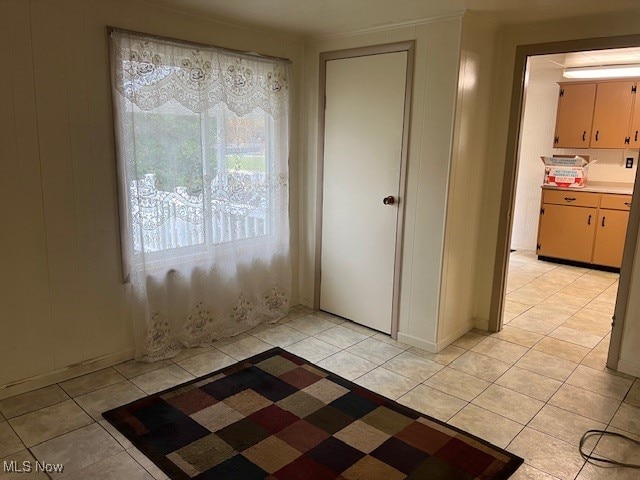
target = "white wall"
x: 468, y: 174
x: 62, y: 301
x: 432, y: 121
x: 538, y: 126
x: 630, y: 349
x: 584, y: 27
x: 608, y: 164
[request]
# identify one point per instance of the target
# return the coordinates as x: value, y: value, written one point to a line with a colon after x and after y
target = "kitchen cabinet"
x: 602, y: 114
x: 610, y: 234
x: 583, y: 227
x: 575, y: 115
x: 612, y: 114
x: 567, y: 232
x: 567, y: 225
x: 611, y: 230
x: 571, y: 197
x: 634, y: 129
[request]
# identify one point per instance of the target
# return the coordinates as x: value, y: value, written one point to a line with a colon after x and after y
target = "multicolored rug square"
x: 276, y: 416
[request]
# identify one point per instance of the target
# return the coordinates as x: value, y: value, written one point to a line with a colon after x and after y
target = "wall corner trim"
x: 629, y: 368
x: 430, y: 347
x: 457, y: 15
x: 480, y: 324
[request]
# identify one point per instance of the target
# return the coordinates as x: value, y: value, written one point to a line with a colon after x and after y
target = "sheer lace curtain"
x: 202, y: 145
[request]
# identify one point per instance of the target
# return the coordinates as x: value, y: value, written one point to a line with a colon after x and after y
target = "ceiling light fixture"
x: 606, y: 71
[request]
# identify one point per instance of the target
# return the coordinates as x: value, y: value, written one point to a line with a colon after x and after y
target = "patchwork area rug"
x: 277, y: 416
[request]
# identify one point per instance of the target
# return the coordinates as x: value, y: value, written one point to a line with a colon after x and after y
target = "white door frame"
x: 408, y: 47
x: 509, y: 183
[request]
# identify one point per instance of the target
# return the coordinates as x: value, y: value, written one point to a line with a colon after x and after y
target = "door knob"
x: 389, y: 200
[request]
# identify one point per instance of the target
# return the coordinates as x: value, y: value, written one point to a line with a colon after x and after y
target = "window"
x: 200, y: 179
x: 202, y: 162
x: 202, y: 138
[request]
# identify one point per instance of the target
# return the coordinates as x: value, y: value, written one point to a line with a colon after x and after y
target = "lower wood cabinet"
x: 610, y: 234
x: 567, y: 232
x: 583, y: 226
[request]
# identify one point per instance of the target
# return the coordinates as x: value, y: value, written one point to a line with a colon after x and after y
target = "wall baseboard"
x: 435, y: 347
x: 480, y: 324
x: 294, y: 301
x: 458, y: 332
x: 67, y: 373
x: 430, y: 347
x: 76, y: 370
x: 629, y: 368
x: 306, y: 302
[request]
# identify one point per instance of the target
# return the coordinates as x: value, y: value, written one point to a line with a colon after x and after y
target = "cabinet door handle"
x: 589, y: 220
x: 628, y: 204
x: 597, y: 133
x: 635, y: 139
x: 603, y: 219
x: 569, y: 199
x: 584, y: 135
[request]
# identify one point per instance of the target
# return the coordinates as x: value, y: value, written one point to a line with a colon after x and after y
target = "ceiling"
x: 323, y: 17
x: 613, y: 56
x: 547, y: 69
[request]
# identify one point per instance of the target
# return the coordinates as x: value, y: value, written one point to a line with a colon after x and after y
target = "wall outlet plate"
x: 629, y: 162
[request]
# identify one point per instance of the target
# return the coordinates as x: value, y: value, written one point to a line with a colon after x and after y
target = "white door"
x: 364, y: 117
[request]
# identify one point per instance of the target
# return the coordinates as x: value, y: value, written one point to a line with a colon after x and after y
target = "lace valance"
x: 152, y: 73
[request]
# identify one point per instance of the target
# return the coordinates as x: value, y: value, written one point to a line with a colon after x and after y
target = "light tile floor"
x: 533, y: 388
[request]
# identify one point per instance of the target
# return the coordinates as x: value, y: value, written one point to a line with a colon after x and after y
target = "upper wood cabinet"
x: 602, y: 114
x: 575, y: 113
x: 612, y: 114
x: 634, y: 129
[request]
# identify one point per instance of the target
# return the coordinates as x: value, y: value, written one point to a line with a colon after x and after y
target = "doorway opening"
x: 536, y: 288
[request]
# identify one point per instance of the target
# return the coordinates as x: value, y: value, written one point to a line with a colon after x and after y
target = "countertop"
x: 619, y: 189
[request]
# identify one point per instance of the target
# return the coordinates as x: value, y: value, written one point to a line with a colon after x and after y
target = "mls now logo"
x: 28, y: 467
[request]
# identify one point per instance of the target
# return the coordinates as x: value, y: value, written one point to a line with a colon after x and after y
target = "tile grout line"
x: 565, y: 382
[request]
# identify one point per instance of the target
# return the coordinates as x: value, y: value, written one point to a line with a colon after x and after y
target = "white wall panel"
x: 52, y: 85
x: 630, y: 348
x: 468, y: 174
x: 538, y: 126
x: 25, y: 319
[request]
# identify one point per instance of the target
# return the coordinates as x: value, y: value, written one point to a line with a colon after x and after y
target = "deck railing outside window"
x: 166, y: 220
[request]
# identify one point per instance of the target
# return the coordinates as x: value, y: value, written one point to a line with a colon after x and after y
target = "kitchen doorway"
x: 515, y: 201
